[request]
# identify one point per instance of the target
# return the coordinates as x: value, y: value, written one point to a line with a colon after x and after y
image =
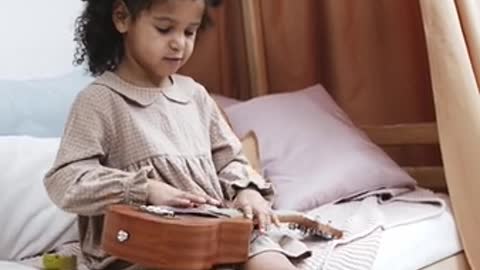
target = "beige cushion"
x: 250, y: 149
x: 250, y: 146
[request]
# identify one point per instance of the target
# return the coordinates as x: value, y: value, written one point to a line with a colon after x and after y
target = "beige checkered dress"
x: 119, y: 135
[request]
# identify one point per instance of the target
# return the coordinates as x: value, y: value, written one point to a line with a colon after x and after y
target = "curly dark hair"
x: 99, y: 43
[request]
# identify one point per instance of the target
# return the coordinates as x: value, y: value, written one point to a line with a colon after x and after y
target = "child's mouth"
x: 173, y: 59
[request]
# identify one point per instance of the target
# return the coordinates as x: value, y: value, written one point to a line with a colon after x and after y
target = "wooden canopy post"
x: 254, y: 44
x: 457, y: 105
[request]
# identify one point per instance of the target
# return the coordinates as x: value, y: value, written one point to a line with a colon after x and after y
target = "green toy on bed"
x: 58, y: 262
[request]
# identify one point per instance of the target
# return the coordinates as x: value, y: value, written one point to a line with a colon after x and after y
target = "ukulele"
x: 171, y: 238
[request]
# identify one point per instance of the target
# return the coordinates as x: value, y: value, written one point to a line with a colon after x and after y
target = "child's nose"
x: 177, y: 43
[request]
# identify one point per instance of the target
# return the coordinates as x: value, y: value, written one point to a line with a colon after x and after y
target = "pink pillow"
x: 311, y: 151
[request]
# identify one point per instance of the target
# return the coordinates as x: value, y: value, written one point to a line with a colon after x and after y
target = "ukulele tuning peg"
x: 327, y: 236
x: 293, y: 226
x: 321, y: 234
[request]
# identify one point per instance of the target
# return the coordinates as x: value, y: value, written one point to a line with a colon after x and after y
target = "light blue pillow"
x: 39, y: 107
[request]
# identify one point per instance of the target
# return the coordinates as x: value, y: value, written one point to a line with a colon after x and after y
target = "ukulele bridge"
x: 158, y: 210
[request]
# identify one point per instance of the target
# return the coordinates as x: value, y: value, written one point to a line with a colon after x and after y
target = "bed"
x: 448, y: 249
x: 431, y: 177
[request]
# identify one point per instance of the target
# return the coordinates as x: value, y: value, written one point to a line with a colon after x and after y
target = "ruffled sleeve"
x: 79, y: 181
x: 233, y: 168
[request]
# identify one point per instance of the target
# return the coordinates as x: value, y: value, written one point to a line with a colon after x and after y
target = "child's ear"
x: 121, y: 16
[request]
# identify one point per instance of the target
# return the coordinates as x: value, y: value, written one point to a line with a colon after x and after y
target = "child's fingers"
x: 212, y: 201
x: 181, y: 202
x: 201, y: 199
x: 275, y: 220
x: 263, y: 221
x: 193, y: 198
x: 247, y: 211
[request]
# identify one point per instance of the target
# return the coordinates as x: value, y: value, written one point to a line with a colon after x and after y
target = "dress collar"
x: 144, y: 96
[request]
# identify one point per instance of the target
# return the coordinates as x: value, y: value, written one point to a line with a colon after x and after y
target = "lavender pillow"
x: 310, y: 149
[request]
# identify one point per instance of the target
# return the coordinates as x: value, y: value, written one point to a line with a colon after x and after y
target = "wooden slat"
x: 257, y: 66
x: 403, y: 134
x: 455, y: 262
x: 429, y: 177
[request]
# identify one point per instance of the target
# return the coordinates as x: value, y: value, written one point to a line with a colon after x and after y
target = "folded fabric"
x: 363, y: 220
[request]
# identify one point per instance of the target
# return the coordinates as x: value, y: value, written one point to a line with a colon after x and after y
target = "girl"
x: 140, y: 134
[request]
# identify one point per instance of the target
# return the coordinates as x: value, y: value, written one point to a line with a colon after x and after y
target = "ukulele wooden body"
x: 175, y: 243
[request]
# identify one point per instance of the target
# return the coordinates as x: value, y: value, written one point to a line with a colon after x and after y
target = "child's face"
x: 162, y: 38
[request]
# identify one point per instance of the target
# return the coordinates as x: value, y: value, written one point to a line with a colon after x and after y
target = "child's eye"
x: 163, y: 30
x: 189, y: 33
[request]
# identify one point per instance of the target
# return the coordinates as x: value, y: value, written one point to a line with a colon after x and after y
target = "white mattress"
x: 4, y: 265
x: 419, y: 244
x: 406, y: 247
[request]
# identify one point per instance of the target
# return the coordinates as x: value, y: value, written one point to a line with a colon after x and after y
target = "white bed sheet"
x: 406, y: 247
x: 419, y: 244
x: 5, y: 265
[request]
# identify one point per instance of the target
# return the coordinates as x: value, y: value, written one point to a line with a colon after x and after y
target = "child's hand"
x: 253, y: 205
x: 163, y: 194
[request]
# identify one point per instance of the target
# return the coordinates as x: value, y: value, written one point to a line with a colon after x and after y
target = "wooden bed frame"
x: 432, y: 177
x: 387, y: 135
